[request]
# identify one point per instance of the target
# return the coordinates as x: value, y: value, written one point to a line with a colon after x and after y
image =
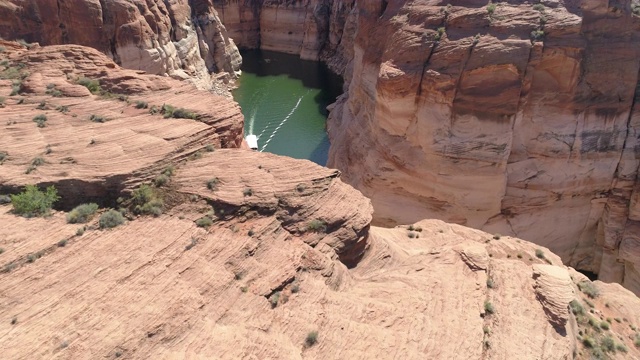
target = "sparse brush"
x: 141, y: 105
x: 82, y: 213
x: 311, y: 339
x: 111, y: 219
x: 317, y: 226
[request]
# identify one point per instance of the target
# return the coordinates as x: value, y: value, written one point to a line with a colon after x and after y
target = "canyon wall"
x: 313, y: 29
x: 180, y: 38
x: 512, y: 118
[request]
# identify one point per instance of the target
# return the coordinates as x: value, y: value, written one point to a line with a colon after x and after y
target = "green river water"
x: 284, y: 101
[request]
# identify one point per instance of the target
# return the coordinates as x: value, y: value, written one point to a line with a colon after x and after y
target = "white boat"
x: 252, y: 140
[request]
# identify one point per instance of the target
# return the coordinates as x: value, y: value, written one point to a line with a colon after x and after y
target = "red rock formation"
x: 511, y: 118
x: 164, y: 38
x: 314, y: 29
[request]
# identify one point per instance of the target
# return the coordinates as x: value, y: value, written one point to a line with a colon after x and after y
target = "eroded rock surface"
x: 512, y: 118
x: 184, y: 39
x: 313, y: 29
x: 92, y: 144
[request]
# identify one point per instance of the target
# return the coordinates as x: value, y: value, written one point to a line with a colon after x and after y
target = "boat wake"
x: 281, y: 123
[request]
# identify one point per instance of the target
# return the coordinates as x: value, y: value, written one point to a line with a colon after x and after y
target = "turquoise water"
x: 284, y: 101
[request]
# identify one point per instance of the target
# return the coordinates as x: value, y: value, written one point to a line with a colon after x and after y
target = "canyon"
x: 511, y: 118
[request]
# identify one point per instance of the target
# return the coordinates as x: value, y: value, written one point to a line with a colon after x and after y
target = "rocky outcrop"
x: 313, y: 29
x: 513, y: 118
x: 92, y: 145
x: 182, y: 39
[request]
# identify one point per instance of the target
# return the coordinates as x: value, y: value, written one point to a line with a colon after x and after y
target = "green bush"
x: 247, y: 192
x: 604, y: 325
x: 2, y: 100
x: 490, y: 283
x: 5, y: 199
x: 588, y: 342
x: 146, y: 201
x: 576, y: 307
x: 161, y: 180
x: 537, y: 35
x: 82, y: 213
x: 204, y: 222
x: 110, y: 219
x: 539, y: 254
x: 169, y: 170
x: 538, y: 7
x: 3, y: 156
x: 488, y: 307
x: 141, y: 105
x: 608, y: 344
x: 33, y: 202
x: 273, y: 300
x: 316, y: 225
x: 92, y: 85
x: 589, y: 289
x: 97, y: 118
x: 311, y: 339
x: 40, y: 120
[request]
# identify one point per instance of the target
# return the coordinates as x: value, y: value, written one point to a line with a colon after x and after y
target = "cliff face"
x: 511, y: 118
x: 314, y: 29
x: 184, y: 39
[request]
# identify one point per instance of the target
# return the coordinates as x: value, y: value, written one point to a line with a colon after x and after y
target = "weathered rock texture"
x: 184, y: 39
x: 94, y: 160
x: 314, y: 29
x: 519, y: 120
x: 290, y: 249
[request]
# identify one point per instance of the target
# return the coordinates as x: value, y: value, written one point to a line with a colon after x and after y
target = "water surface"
x: 284, y: 101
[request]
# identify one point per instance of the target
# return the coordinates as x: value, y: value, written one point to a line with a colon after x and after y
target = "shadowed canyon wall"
x: 180, y: 38
x: 313, y: 29
x: 514, y: 119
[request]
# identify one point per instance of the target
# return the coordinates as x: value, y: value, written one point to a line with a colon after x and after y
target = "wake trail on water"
x: 257, y: 98
x: 282, y: 122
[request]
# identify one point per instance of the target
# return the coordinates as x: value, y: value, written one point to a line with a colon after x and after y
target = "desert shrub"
x: 181, y: 113
x: 97, y: 118
x: 169, y: 170
x: 295, y: 288
x: 247, y: 192
x: 63, y: 109
x: 191, y: 245
x: 2, y: 100
x: 621, y: 348
x: 212, y: 184
x: 161, y: 180
x: 539, y: 254
x: 33, y: 202
x: 2, y: 49
x: 82, y: 213
x: 588, y: 342
x: 301, y: 187
x: 311, y: 339
x: 141, y: 105
x: 42, y: 105
x: 273, y: 300
x: 488, y: 307
x: 636, y: 341
x: 635, y: 8
x: 496, y: 236
x: 490, y: 283
x: 576, y: 307
x: 538, y: 7
x: 146, y: 201
x: 204, y: 222
x: 5, y: 199
x: 589, y: 289
x: 62, y: 243
x: 40, y: 120
x: 16, y: 87
x: 251, y: 232
x: 411, y: 235
x: 80, y: 231
x: 608, y: 344
x: 491, y: 8
x: 110, y: 219
x: 604, y: 325
x: 92, y: 85
x: 3, y: 156
x: 537, y: 35
x: 210, y: 148
x: 316, y: 225
x: 440, y: 32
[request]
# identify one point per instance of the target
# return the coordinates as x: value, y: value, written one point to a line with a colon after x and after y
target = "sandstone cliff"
x: 313, y: 29
x: 510, y: 117
x: 287, y: 265
x: 184, y: 39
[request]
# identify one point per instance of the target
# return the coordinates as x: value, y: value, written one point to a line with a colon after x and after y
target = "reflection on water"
x: 284, y: 101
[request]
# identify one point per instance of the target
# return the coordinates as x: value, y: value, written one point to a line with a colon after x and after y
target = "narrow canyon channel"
x: 284, y: 102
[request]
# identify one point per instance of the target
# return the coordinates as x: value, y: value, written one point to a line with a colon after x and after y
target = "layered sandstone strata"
x: 184, y: 39
x: 513, y: 118
x: 313, y: 29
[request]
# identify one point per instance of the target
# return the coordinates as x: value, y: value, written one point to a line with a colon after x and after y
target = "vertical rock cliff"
x: 516, y: 118
x: 183, y: 39
x: 313, y: 29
